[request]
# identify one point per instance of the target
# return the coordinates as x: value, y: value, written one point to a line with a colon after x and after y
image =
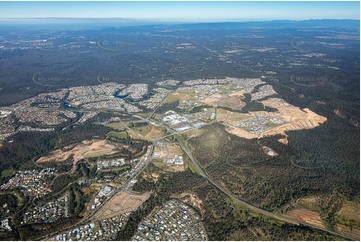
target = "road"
x: 201, y: 172
x: 92, y: 215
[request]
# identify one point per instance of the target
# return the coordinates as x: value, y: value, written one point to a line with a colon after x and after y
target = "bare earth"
x: 86, y: 149
x: 295, y: 118
x: 121, y: 203
x: 231, y: 101
x: 306, y: 216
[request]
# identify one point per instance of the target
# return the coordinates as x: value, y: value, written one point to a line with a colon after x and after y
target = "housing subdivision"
x: 174, y: 221
x: 49, y: 212
x: 30, y: 182
x: 101, y: 230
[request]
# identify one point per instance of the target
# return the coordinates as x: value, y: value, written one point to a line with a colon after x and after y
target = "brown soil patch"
x: 155, y: 176
x: 121, y: 203
x: 295, y: 118
x: 86, y: 149
x: 219, y: 100
x: 306, y: 216
x: 238, y: 93
x: 163, y: 153
x: 193, y: 133
x: 76, y: 103
x: 167, y: 151
x: 283, y: 140
x: 241, y: 133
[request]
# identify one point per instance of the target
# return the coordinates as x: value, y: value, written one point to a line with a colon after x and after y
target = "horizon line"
x: 174, y: 19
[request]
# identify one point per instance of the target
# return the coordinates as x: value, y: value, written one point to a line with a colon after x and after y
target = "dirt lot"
x: 86, y: 149
x: 295, y: 118
x: 233, y: 101
x: 241, y: 133
x: 306, y: 216
x: 168, y: 151
x: 121, y: 203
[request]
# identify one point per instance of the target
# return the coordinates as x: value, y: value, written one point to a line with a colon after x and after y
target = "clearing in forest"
x: 86, y: 149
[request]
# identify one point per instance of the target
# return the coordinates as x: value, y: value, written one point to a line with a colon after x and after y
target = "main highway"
x: 202, y: 173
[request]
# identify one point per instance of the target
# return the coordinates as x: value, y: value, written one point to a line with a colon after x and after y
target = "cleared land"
x: 167, y: 152
x: 117, y: 126
x: 121, y: 203
x: 148, y: 132
x: 182, y: 95
x: 349, y: 220
x: 86, y: 149
x: 230, y: 117
x: 307, y: 216
x: 219, y: 100
x: 293, y: 118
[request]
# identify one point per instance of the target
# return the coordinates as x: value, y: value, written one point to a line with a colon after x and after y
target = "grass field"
x: 310, y: 203
x: 121, y: 135
x: 143, y: 131
x: 230, y: 117
x: 116, y: 126
x: 148, y: 132
x: 180, y: 96
x: 348, y: 219
x: 159, y: 163
x: 7, y: 172
x: 19, y: 199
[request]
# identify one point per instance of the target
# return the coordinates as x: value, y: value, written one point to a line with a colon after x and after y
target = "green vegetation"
x: 120, y: 135
x: 7, y: 173
x: 19, y: 199
x: 253, y: 106
x: 172, y: 98
x: 168, y: 106
x: 143, y: 131
x: 61, y: 182
x: 240, y: 166
x: 223, y: 218
x: 116, y: 126
x: 76, y: 200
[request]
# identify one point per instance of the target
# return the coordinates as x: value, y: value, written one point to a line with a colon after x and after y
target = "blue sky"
x: 184, y: 11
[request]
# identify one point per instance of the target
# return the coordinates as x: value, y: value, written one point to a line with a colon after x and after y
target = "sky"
x: 184, y: 11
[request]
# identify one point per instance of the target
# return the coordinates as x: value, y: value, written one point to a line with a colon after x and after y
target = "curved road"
x: 247, y: 205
